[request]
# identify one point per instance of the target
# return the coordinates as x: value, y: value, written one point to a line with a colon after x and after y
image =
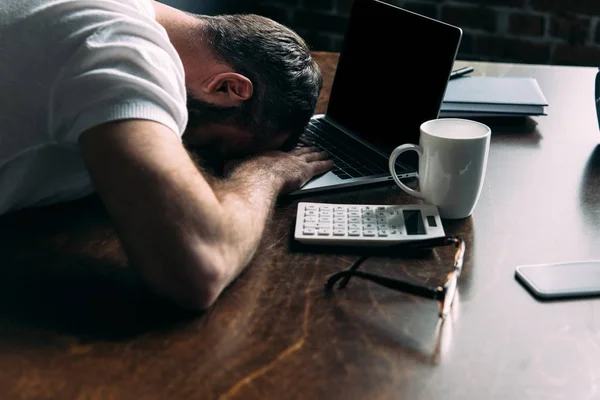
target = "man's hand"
x: 290, y: 171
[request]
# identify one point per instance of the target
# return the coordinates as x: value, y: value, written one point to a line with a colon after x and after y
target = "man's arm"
x: 189, y: 240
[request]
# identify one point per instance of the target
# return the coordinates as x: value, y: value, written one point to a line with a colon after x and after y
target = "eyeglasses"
x: 444, y: 294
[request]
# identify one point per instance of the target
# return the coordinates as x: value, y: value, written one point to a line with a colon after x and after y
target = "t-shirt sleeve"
x: 125, y: 69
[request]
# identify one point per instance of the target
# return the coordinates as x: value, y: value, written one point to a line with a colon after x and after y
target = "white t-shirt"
x: 67, y: 66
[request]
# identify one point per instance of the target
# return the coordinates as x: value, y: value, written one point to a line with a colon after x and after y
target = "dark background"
x: 560, y: 32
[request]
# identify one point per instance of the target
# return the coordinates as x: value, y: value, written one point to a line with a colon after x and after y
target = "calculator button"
x: 354, y: 214
x: 339, y: 214
x: 369, y: 220
x: 325, y: 220
x: 310, y: 213
x: 315, y: 225
x: 324, y: 231
x: 325, y: 214
x: 339, y: 232
x: 353, y: 208
x: 353, y: 232
x: 325, y: 208
x: 369, y: 232
x: 369, y: 226
x: 382, y: 233
x: 339, y: 226
x: 354, y: 220
x: 339, y: 208
x: 339, y: 220
x: 311, y: 207
x: 310, y: 219
x: 309, y: 231
x: 353, y: 226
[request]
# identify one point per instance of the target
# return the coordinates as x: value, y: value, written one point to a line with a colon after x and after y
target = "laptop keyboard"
x: 350, y: 158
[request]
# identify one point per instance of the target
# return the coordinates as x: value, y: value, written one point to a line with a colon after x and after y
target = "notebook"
x: 391, y: 76
x: 493, y: 96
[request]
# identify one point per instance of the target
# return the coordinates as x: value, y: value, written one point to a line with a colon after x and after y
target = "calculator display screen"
x: 413, y: 222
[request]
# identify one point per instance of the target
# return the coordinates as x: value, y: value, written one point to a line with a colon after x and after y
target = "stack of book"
x: 493, y: 96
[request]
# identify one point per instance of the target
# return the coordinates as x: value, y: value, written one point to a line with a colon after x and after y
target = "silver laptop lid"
x: 392, y: 73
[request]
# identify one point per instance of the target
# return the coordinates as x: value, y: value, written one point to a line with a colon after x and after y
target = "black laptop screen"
x: 392, y: 73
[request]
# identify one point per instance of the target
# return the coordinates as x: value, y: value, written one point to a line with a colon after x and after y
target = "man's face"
x: 208, y: 133
x: 228, y: 142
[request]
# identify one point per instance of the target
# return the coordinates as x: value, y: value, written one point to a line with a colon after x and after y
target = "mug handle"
x: 397, y: 151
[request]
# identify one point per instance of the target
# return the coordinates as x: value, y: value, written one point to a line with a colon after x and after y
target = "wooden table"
x: 75, y: 322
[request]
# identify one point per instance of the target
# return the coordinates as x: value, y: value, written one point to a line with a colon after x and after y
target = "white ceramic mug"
x: 453, y: 157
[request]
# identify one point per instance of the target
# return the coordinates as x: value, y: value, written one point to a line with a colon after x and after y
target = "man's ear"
x: 228, y: 89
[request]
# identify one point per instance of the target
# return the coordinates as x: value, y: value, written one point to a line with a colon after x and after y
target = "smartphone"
x: 561, y: 280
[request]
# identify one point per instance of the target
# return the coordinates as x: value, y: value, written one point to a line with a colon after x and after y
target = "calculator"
x: 362, y: 224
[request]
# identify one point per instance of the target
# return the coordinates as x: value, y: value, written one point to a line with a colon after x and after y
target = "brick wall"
x: 563, y: 32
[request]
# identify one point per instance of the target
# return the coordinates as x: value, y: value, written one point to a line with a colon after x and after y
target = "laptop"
x: 391, y: 76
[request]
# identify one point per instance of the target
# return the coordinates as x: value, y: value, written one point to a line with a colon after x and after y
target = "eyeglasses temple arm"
x: 425, y: 243
x: 351, y: 268
x: 402, y: 286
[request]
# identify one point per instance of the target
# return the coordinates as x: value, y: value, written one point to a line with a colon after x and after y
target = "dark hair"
x: 286, y: 79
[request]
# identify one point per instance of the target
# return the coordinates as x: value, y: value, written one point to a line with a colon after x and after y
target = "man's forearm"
x: 188, y: 237
x: 247, y: 196
x: 189, y: 240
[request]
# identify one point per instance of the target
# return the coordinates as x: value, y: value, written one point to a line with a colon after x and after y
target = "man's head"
x: 267, y: 94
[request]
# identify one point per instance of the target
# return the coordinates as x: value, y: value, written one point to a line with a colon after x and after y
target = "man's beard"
x: 202, y: 113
